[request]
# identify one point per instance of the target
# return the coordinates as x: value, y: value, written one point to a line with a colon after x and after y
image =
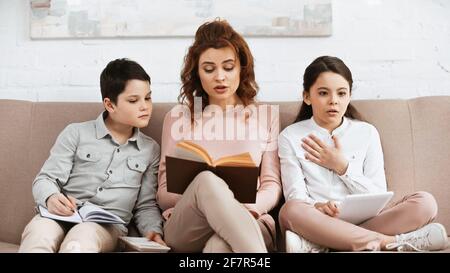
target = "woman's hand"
x: 254, y: 213
x: 252, y: 209
x: 325, y: 156
x: 155, y: 237
x: 329, y: 208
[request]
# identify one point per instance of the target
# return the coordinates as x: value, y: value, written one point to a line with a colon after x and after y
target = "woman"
x: 219, y: 113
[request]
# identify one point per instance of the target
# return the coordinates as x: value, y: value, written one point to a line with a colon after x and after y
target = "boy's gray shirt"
x: 93, y: 168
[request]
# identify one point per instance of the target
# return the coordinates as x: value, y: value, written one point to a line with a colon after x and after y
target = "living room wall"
x: 395, y: 49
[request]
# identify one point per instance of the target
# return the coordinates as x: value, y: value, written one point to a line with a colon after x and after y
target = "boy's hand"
x: 156, y: 237
x: 329, y: 208
x: 61, y: 205
x: 325, y: 156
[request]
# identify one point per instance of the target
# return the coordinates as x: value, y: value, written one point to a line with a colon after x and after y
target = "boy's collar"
x: 100, y: 126
x: 101, y: 130
x: 136, y: 138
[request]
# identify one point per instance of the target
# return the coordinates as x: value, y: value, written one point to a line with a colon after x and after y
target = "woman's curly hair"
x: 216, y: 34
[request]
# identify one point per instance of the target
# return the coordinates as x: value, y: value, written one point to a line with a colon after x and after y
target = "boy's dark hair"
x: 312, y: 72
x: 116, y: 74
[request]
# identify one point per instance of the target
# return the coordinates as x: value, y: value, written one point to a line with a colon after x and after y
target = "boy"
x: 105, y: 162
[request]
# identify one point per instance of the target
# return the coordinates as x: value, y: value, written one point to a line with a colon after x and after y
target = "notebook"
x: 86, y: 213
x: 358, y: 208
x: 141, y: 244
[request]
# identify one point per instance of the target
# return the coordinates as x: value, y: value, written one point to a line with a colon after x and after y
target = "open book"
x: 358, y: 208
x: 141, y: 244
x: 238, y: 171
x: 86, y: 213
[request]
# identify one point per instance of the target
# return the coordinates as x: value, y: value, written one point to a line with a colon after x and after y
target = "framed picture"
x: 162, y: 18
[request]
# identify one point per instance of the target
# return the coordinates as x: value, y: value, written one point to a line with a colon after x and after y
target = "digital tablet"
x: 357, y: 208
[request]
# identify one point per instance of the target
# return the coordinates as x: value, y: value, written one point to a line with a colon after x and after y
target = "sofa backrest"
x: 414, y: 135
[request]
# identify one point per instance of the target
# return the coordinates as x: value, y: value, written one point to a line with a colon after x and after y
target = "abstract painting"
x: 162, y: 18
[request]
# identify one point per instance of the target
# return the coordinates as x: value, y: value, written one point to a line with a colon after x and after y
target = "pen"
x: 63, y: 191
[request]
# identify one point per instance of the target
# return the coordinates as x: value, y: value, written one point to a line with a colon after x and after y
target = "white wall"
x: 395, y: 49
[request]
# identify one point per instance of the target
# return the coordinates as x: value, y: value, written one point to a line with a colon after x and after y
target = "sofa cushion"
x: 431, y: 150
x: 8, y: 248
x: 414, y: 135
x: 392, y: 120
x: 16, y: 177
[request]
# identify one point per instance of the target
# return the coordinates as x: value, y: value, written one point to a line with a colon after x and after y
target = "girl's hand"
x: 155, y: 237
x: 325, y: 156
x: 329, y: 208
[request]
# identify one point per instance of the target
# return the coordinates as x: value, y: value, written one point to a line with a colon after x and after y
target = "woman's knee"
x: 208, y: 183
x: 216, y: 244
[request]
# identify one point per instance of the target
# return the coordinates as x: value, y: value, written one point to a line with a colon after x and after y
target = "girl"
x: 328, y: 154
x: 218, y: 91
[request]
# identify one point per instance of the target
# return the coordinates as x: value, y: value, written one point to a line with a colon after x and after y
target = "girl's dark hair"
x: 312, y: 72
x: 216, y: 34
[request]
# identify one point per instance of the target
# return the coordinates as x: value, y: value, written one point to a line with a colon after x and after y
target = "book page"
x: 192, y: 151
x: 74, y: 218
x: 244, y: 159
x: 143, y: 244
x: 91, y: 213
x: 187, y: 154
